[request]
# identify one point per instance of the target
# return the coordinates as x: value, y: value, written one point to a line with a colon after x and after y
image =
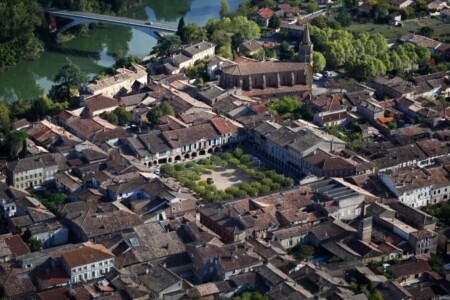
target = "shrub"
x: 234, y: 161
x: 245, y: 158
x: 238, y: 152
x: 259, y: 176
x: 191, y: 164
x: 180, y: 167
x: 227, y: 156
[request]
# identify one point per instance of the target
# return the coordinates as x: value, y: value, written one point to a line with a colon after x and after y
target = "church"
x: 267, y: 79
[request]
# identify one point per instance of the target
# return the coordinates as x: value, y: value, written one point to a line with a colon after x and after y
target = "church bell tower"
x: 305, y: 49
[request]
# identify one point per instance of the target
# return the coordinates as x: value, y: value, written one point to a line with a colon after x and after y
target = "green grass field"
x: 441, y: 29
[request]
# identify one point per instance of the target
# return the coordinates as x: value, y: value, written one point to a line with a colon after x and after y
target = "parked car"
x: 317, y: 76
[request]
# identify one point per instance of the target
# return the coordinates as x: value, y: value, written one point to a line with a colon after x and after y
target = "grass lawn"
x: 441, y: 29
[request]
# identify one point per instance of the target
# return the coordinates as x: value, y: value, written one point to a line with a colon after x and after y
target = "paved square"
x: 230, y: 176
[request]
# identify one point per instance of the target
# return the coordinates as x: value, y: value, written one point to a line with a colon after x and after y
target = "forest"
x: 22, y: 25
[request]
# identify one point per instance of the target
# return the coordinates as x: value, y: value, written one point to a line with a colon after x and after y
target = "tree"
x: 376, y: 295
x: 34, y: 244
x: 14, y: 142
x: 319, y: 61
x: 68, y: 78
x: 286, y: 52
x: 426, y: 31
x: 343, y: 17
x: 181, y: 28
x: 225, y: 9
x: 436, y: 262
x: 5, y: 120
x: 194, y: 34
x: 286, y: 107
x: 164, y: 109
x: 312, y: 6
x: 275, y: 21
x: 168, y: 45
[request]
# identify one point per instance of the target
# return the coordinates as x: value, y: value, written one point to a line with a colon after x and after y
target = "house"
x: 400, y: 3
x: 87, y: 263
x: 293, y: 30
x: 132, y: 101
x: 98, y: 104
x: 34, y: 171
x: 421, y: 40
x: 16, y: 283
x: 212, y: 262
x: 12, y: 246
x: 215, y: 65
x: 262, y: 16
x: 288, y: 146
x: 338, y: 199
x: 189, y: 56
x: 250, y: 47
x: 410, y: 272
x: 333, y: 118
x: 391, y: 87
x: 67, y: 183
x: 91, y: 221
x: 286, y: 10
x: 158, y: 147
x: 118, y: 84
x: 395, y: 18
x: 445, y: 15
x: 156, y: 279
x: 324, y: 164
x: 365, y: 8
x: 412, y: 187
x: 437, y: 5
x: 441, y: 183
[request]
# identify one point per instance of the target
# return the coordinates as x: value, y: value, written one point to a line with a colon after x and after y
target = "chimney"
x: 365, y: 229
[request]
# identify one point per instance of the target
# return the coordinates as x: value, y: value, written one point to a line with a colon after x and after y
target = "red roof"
x: 100, y: 102
x: 223, y: 126
x: 15, y: 243
x: 265, y: 13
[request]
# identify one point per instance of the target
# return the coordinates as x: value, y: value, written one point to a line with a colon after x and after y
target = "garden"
x: 231, y: 175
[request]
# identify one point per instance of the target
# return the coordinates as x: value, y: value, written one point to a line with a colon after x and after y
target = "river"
x: 28, y: 79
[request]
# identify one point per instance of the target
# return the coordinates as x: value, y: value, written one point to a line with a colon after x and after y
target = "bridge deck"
x: 76, y: 15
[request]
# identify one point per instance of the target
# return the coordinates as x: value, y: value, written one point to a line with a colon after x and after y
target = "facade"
x: 411, y: 187
x: 158, y: 147
x: 118, y: 84
x: 87, y: 263
x: 289, y: 146
x: 32, y: 171
x: 189, y: 56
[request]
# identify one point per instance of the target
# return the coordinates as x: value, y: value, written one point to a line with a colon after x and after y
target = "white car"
x: 317, y: 76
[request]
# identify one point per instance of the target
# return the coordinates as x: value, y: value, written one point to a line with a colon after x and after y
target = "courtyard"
x: 230, y: 175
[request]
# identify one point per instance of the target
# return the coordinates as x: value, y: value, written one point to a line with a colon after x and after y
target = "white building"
x: 87, y: 263
x: 118, y: 84
x: 189, y: 56
x: 412, y: 187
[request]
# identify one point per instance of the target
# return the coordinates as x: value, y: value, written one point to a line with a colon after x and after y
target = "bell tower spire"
x: 305, y: 49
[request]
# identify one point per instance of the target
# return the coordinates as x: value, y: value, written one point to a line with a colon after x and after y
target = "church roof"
x: 263, y: 67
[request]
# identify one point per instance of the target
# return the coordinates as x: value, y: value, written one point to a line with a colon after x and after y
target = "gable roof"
x: 100, y: 102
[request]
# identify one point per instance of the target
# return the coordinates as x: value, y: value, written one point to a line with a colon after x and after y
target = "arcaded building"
x: 268, y: 78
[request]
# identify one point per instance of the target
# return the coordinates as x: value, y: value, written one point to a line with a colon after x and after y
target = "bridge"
x: 152, y: 28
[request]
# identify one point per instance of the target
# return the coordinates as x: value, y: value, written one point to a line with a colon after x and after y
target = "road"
x: 76, y: 15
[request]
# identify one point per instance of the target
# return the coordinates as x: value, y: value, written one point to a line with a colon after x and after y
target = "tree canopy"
x: 366, y: 54
x: 67, y: 82
x: 168, y: 45
x: 164, y: 109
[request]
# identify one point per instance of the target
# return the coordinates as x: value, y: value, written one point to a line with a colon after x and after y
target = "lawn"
x: 441, y: 29
x: 229, y: 176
